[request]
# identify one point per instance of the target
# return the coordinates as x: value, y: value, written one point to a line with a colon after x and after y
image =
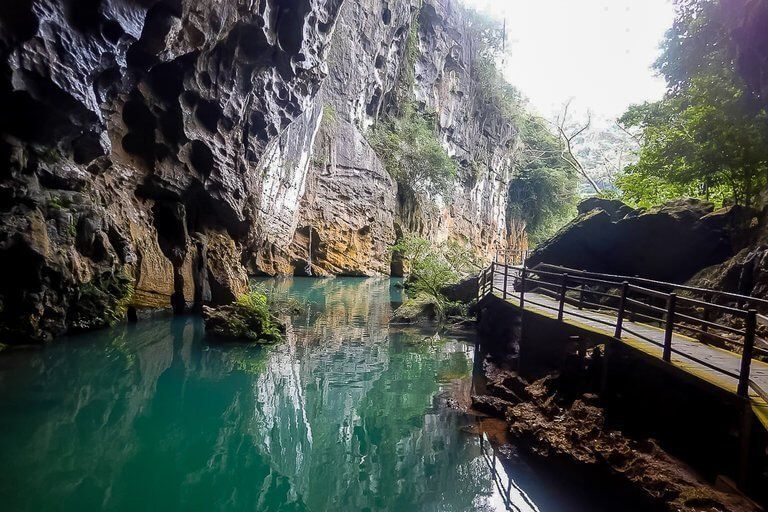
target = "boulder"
x: 670, y: 242
x: 238, y: 322
x: 465, y: 291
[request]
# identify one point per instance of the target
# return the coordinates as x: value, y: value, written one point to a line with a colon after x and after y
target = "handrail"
x: 559, y: 283
x: 730, y: 295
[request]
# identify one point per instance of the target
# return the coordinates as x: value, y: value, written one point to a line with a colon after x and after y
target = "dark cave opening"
x: 142, y: 123
x: 208, y: 113
x: 201, y: 158
x: 83, y: 15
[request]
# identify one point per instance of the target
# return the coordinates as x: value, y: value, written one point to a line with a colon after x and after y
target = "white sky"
x: 598, y: 52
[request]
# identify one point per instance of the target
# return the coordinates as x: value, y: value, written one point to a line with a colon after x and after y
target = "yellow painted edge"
x: 760, y: 408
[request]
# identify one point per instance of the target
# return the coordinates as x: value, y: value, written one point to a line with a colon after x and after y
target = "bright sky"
x: 598, y: 52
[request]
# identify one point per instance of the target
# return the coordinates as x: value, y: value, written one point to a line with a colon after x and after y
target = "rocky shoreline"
x: 537, y: 416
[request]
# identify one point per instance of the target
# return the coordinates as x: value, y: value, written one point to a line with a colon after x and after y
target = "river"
x: 349, y: 413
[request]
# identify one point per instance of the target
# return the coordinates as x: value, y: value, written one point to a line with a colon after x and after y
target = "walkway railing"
x: 729, y: 318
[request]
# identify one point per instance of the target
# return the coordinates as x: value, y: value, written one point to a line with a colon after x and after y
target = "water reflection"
x: 150, y: 417
x: 347, y: 414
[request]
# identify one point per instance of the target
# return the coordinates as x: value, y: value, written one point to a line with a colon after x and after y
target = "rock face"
x: 670, y: 242
x: 746, y: 273
x: 155, y: 152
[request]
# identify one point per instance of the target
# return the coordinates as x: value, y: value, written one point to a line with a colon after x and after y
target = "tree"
x: 708, y: 136
x: 542, y: 193
x: 568, y: 134
x: 412, y: 154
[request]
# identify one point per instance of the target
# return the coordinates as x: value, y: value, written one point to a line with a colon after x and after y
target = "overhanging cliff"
x: 157, y: 152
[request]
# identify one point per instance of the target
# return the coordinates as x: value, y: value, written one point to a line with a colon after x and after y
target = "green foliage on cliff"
x: 707, y: 137
x: 491, y: 88
x: 407, y: 79
x: 542, y: 193
x: 412, y: 154
x: 253, y: 317
x: 101, y: 302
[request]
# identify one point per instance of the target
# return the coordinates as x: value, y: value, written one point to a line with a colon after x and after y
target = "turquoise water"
x: 348, y: 414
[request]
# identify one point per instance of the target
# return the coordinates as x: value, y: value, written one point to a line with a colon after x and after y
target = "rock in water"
x: 236, y: 322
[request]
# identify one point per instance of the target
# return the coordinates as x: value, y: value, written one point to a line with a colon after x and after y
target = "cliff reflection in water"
x: 343, y: 416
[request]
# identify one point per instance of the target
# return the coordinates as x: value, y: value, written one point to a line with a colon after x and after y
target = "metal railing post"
x: 622, y: 307
x: 581, y: 293
x: 481, y: 284
x: 706, y: 317
x: 522, y: 288
x: 506, y: 278
x: 746, y: 356
x: 563, y: 290
x: 493, y: 276
x: 669, y: 326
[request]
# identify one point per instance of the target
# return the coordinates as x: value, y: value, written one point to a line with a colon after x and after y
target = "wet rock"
x: 156, y: 116
x: 577, y: 433
x: 414, y: 310
x: 614, y: 208
x: 181, y: 143
x: 464, y: 291
x: 491, y: 405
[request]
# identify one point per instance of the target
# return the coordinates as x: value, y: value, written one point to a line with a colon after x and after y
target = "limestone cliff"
x: 155, y: 152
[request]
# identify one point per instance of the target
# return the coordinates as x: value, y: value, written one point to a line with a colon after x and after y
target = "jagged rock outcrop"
x: 365, y: 78
x: 130, y: 138
x: 670, y: 242
x: 155, y: 152
x: 745, y: 273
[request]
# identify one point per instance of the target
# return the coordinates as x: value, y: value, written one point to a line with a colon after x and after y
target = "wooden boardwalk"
x: 714, y: 365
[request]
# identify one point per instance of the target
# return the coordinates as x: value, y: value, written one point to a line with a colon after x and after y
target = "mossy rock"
x: 236, y: 322
x: 414, y: 310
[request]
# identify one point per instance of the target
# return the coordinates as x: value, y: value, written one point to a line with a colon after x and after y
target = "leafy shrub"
x: 102, y: 302
x: 255, y: 319
x: 542, y: 193
x: 254, y: 316
x: 432, y: 269
x: 412, y: 154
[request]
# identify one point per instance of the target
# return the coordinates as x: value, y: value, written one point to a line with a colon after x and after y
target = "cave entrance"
x: 309, y: 239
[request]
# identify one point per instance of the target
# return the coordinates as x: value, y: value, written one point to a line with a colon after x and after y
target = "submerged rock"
x: 415, y: 310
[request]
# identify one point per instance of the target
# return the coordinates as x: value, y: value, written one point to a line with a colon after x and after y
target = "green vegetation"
x: 707, y: 137
x: 542, y: 194
x: 256, y: 320
x: 432, y: 268
x: 407, y: 78
x: 59, y: 202
x: 412, y: 154
x: 102, y: 302
x: 492, y: 88
x: 329, y: 114
x: 254, y: 316
x: 542, y: 191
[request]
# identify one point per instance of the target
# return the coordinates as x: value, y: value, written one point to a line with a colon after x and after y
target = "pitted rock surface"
x: 179, y: 146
